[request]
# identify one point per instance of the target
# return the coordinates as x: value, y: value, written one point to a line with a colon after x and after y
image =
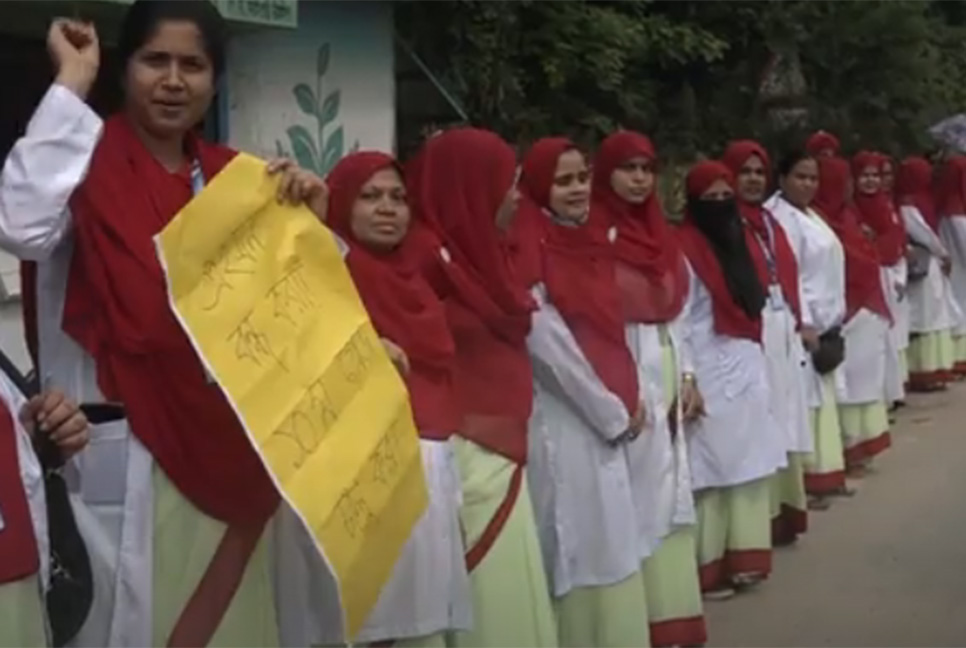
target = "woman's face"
x: 380, y: 214
x: 508, y: 208
x: 169, y: 81
x: 888, y: 176
x: 633, y: 180
x: 570, y: 192
x: 719, y: 190
x: 752, y: 180
x: 869, y: 180
x: 801, y: 183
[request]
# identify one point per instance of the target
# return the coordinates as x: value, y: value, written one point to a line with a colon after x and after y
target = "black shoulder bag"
x: 71, y: 590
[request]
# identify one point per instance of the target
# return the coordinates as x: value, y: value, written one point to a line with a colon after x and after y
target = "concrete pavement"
x: 884, y: 568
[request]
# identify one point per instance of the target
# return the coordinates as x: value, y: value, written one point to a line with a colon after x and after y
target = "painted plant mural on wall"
x: 318, y: 151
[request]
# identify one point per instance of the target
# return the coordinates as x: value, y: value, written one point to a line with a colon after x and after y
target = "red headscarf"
x: 117, y: 309
x: 758, y: 223
x: 877, y: 211
x: 399, y: 300
x: 651, y: 272
x: 822, y: 143
x: 951, y: 188
x: 914, y: 188
x: 524, y: 238
x: 462, y: 179
x: 729, y: 318
x: 863, y: 285
x: 578, y: 271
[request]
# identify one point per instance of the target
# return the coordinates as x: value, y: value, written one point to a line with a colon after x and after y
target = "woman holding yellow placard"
x: 181, y: 499
x: 428, y: 594
x: 462, y: 185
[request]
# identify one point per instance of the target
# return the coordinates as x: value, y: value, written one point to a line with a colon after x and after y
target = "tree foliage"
x: 691, y: 74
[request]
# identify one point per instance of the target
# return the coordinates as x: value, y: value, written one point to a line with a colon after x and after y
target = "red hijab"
x: 525, y: 236
x: 462, y: 177
x: 729, y: 318
x: 877, y: 211
x: 863, y: 284
x: 822, y: 143
x: 758, y: 222
x: 951, y: 188
x: 578, y: 271
x: 399, y: 300
x: 914, y: 188
x: 651, y: 272
x: 117, y: 309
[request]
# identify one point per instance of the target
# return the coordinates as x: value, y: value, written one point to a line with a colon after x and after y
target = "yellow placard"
x: 265, y: 296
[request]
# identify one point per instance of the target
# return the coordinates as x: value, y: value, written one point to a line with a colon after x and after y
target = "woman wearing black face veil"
x: 737, y: 445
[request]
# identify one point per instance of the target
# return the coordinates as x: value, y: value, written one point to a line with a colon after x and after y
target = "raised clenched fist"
x: 76, y: 54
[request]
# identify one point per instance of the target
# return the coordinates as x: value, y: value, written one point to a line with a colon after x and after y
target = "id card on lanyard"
x: 776, y: 300
x: 197, y: 186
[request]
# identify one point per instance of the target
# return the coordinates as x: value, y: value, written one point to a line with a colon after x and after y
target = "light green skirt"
x: 511, y: 600
x: 185, y: 540
x: 789, y: 502
x: 825, y: 466
x: 674, y: 605
x: 611, y: 615
x: 904, y: 365
x: 865, y: 431
x: 22, y: 615
x: 959, y: 351
x: 931, y: 352
x: 734, y: 533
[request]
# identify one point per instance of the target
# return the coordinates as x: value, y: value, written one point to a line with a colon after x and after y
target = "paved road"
x: 885, y: 568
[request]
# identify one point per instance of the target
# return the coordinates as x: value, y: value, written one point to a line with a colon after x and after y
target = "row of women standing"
x: 645, y: 410
x: 616, y: 416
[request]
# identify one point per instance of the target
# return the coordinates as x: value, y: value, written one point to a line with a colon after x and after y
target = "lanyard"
x: 768, y: 248
x: 197, y: 177
x: 197, y: 186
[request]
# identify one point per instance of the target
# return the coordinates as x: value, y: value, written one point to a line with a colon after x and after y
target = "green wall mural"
x: 320, y: 150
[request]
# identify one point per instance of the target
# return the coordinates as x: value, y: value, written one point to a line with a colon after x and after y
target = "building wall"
x: 317, y: 92
x: 314, y: 93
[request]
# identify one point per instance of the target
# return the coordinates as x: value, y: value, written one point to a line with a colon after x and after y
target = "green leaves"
x: 322, y: 153
x: 333, y: 151
x: 690, y: 73
x: 303, y: 147
x: 330, y: 108
x: 322, y: 60
x: 305, y: 98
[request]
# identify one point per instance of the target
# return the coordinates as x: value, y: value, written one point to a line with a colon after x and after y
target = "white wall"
x: 275, y: 90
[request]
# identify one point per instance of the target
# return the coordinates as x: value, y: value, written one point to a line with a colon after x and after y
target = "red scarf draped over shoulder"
x: 401, y: 303
x: 757, y: 222
x: 117, y: 309
x: 19, y: 557
x: 914, y: 188
x: 822, y: 142
x: 578, y: 269
x: 951, y: 188
x: 651, y: 274
x: 729, y: 318
x: 863, y: 284
x: 459, y: 181
x: 878, y: 212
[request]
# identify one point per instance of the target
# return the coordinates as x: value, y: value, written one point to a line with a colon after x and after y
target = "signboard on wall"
x: 271, y: 13
x: 274, y: 13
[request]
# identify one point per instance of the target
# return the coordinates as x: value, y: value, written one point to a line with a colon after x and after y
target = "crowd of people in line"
x: 619, y: 417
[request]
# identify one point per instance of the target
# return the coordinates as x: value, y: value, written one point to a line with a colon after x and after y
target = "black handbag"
x: 71, y: 589
x: 919, y: 257
x: 830, y: 352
